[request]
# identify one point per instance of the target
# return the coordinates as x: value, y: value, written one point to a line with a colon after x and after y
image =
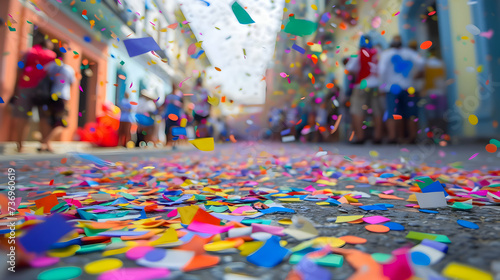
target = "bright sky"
x: 241, y: 75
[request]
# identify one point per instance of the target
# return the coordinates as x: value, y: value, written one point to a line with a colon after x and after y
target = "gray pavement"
x: 478, y: 248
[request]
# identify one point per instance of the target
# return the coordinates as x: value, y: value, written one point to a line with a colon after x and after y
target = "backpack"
x: 43, y: 94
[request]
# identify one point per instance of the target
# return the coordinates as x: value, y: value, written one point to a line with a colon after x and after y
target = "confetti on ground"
x: 188, y: 212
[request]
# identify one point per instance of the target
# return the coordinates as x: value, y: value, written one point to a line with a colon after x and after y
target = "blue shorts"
x: 403, y: 104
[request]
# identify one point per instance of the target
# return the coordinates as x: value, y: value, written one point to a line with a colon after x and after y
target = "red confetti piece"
x: 425, y: 45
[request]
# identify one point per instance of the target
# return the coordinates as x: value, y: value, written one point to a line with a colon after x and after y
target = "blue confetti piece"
x: 467, y: 224
x: 373, y: 207
x: 39, y: 66
x: 428, y: 211
x: 1, y: 100
x: 87, y: 39
x: 63, y: 50
x: 138, y: 46
x: 270, y: 254
x: 20, y: 64
x: 420, y: 258
x: 197, y: 55
x: 277, y: 210
x: 42, y: 236
x: 394, y: 226
x: 299, y: 49
x: 208, y: 4
x: 92, y: 158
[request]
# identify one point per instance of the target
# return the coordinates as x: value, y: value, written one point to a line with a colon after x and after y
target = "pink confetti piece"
x: 473, y: 156
x: 180, y: 84
x: 80, y: 88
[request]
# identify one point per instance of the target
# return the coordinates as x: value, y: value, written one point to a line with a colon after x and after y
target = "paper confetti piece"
x: 270, y: 254
x: 66, y: 272
x: 473, y: 156
x: 241, y: 15
x: 203, y: 144
x: 138, y: 46
x: 103, y: 265
x: 425, y: 45
x: 467, y: 224
x: 41, y: 237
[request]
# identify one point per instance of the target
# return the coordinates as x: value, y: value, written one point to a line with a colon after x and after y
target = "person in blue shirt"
x: 126, y: 120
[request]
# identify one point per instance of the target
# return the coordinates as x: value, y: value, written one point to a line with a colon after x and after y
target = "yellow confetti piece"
x: 480, y: 68
x: 345, y: 219
x: 285, y: 221
x: 169, y: 236
x: 249, y: 247
x: 187, y: 213
x: 63, y: 252
x: 203, y: 144
x: 219, y: 245
x: 332, y: 241
x: 115, y: 251
x: 103, y: 265
x: 373, y: 153
x: 411, y: 90
x: 325, y: 182
x: 290, y: 199
x: 412, y: 198
x: 183, y: 122
x: 58, y: 61
x: 314, y: 7
x: 322, y: 203
x: 473, y: 119
x: 464, y: 272
x: 214, y: 101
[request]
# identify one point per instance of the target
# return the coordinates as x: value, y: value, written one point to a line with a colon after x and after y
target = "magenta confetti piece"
x: 473, y: 156
x: 180, y: 84
x: 81, y: 89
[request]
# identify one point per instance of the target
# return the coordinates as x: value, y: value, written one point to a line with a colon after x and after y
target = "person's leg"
x: 378, y: 107
x: 20, y: 125
x: 121, y: 134
x: 391, y: 122
x: 357, y: 114
x: 411, y: 115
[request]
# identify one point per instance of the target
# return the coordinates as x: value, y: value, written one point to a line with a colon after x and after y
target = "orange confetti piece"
x: 342, y: 26
x: 173, y: 117
x: 223, y: 99
x: 133, y: 103
x: 389, y: 196
x: 351, y: 239
x: 377, y: 228
x: 330, y: 85
x: 64, y: 160
x: 491, y: 148
x: 425, y: 45
x: 352, y: 136
x: 218, y: 69
x: 397, y: 117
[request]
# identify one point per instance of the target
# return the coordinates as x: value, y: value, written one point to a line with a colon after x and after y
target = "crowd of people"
x: 382, y: 93
x: 180, y: 115
x: 44, y: 82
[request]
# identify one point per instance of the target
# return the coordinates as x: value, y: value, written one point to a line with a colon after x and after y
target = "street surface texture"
x: 282, y: 167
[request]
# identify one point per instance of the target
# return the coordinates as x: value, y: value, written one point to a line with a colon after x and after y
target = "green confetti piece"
x: 461, y: 206
x: 68, y: 272
x: 241, y: 15
x: 331, y: 260
x: 127, y: 195
x: 300, y: 27
x: 256, y: 221
x: 348, y: 158
x: 421, y: 236
x: 495, y: 142
x: 91, y: 248
x: 381, y: 257
x: 363, y: 84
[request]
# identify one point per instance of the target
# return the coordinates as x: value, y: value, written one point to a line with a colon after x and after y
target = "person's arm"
x: 353, y: 65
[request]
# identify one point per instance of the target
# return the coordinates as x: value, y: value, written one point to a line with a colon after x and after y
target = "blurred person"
x: 29, y: 93
x: 398, y: 68
x: 201, y: 107
x: 277, y: 123
x: 365, y: 96
x: 435, y: 90
x: 145, y: 116
x: 126, y: 120
x: 62, y: 76
x: 174, y: 106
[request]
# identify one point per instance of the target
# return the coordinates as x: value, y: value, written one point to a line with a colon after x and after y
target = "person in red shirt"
x: 25, y: 97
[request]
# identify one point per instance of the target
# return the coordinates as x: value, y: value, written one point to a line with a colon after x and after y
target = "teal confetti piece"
x: 241, y: 15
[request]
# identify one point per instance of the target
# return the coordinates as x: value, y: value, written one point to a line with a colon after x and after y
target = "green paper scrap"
x: 92, y: 231
x: 218, y: 209
x: 423, y: 182
x: 363, y: 84
x: 127, y: 195
x: 461, y: 206
x: 300, y: 27
x: 381, y: 257
x: 421, y: 236
x: 91, y: 248
x: 331, y: 260
x: 256, y: 221
x: 241, y: 15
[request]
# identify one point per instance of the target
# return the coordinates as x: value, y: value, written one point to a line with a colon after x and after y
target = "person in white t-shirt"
x: 62, y: 76
x: 398, y: 67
